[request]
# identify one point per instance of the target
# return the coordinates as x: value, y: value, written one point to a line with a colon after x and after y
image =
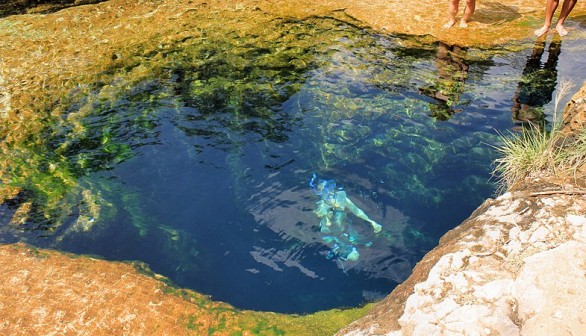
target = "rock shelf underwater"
x: 58, y: 177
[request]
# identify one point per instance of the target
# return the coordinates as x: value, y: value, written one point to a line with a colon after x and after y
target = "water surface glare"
x: 202, y: 169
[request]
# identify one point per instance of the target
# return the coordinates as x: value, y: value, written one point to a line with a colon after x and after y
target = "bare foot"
x: 541, y: 31
x: 449, y: 24
x: 561, y: 30
x: 463, y: 24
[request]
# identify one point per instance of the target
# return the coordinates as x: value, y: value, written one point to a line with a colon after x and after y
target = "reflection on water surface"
x: 196, y: 159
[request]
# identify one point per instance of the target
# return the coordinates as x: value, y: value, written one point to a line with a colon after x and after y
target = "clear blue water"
x: 212, y: 187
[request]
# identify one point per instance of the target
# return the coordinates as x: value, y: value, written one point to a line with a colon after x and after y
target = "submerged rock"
x: 514, y: 267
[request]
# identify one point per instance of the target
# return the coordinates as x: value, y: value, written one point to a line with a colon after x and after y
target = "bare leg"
x: 550, y: 8
x: 468, y: 11
x: 452, y: 11
x: 566, y: 9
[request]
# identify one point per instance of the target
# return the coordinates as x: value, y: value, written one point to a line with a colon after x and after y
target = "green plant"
x: 537, y: 150
x: 523, y: 154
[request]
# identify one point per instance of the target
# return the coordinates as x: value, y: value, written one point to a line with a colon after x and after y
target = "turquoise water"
x: 203, y: 170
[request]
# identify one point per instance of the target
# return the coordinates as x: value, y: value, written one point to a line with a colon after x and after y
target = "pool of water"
x: 201, y: 168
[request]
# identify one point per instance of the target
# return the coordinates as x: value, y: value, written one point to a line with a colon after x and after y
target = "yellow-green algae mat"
x: 231, y: 321
x: 69, y: 55
x: 44, y: 58
x: 55, y: 292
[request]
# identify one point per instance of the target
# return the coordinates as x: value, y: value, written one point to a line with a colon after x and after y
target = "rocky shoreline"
x: 515, y: 267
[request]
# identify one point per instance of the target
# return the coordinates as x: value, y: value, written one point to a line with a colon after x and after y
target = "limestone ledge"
x: 517, y: 266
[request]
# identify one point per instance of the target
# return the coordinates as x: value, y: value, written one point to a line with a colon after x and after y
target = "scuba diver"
x: 338, y: 232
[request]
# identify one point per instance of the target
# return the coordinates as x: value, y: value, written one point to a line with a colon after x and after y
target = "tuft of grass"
x: 538, y: 151
x: 524, y: 154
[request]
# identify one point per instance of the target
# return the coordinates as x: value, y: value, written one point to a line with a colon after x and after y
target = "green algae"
x: 344, y: 143
x: 239, y: 82
x: 84, y: 132
x: 232, y: 321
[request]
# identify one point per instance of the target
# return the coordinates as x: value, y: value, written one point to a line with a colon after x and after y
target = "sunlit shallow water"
x: 202, y: 169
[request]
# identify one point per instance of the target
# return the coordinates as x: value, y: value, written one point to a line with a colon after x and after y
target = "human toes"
x: 561, y: 30
x: 449, y: 24
x: 541, y: 31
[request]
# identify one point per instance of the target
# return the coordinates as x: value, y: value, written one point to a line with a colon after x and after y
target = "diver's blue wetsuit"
x: 335, y: 224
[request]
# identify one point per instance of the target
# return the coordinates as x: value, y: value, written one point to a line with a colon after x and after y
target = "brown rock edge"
x: 45, y: 292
